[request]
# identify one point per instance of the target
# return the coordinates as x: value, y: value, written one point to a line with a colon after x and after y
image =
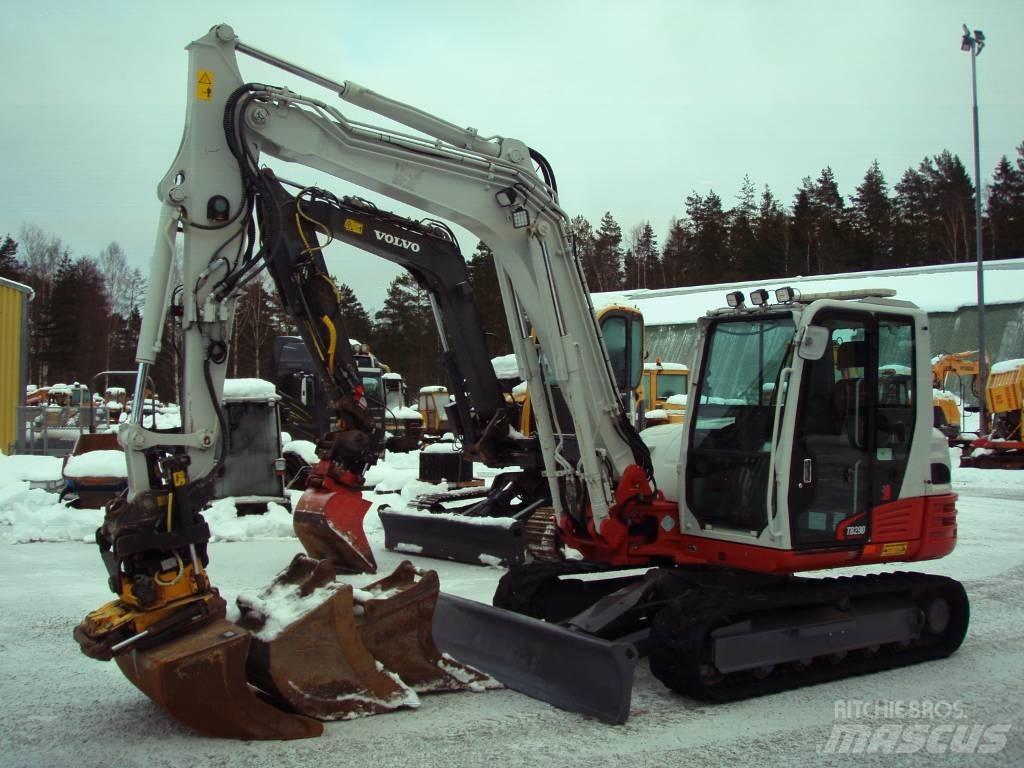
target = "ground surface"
x: 58, y: 708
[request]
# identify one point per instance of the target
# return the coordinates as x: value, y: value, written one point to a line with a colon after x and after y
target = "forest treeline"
x: 86, y: 313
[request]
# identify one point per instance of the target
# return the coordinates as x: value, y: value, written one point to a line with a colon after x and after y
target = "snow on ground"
x: 58, y: 708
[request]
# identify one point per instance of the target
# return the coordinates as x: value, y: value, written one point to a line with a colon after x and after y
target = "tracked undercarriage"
x: 722, y: 634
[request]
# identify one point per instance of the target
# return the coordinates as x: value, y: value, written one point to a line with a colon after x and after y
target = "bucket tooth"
x: 396, y: 626
x: 329, y: 523
x: 199, y: 679
x: 317, y: 664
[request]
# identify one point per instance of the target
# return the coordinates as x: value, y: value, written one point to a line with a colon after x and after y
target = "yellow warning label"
x: 179, y: 479
x: 351, y: 225
x: 897, y: 548
x: 204, y: 84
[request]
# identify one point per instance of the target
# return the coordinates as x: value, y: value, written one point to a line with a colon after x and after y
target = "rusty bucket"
x: 199, y: 678
x: 316, y: 663
x: 396, y: 626
x: 328, y: 520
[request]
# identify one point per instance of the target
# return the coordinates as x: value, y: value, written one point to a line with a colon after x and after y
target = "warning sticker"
x: 897, y: 548
x: 204, y: 84
x: 352, y: 225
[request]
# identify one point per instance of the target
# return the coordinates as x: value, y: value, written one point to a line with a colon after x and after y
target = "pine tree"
x: 952, y: 204
x: 73, y: 338
x: 833, y: 240
x: 805, y: 229
x: 773, y: 236
x: 10, y: 267
x: 708, y: 229
x: 584, y: 241
x: 1006, y: 210
x: 406, y: 336
x: 357, y: 320
x: 483, y: 278
x: 742, y: 242
x: 911, y: 220
x: 608, y: 255
x: 640, y: 267
x: 871, y: 220
x: 675, y: 259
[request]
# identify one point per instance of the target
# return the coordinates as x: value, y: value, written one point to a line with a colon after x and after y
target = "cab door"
x: 853, y: 431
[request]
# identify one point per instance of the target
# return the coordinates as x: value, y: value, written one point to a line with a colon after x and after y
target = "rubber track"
x: 681, y: 644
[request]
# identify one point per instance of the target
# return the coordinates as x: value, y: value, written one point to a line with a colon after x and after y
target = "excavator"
x: 792, y: 458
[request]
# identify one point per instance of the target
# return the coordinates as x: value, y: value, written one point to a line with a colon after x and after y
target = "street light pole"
x: 974, y: 43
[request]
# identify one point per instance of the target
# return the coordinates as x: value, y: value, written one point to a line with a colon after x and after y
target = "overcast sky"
x: 636, y: 104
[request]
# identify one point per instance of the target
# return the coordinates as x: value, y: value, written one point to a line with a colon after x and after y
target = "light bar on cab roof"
x: 735, y: 299
x: 759, y: 297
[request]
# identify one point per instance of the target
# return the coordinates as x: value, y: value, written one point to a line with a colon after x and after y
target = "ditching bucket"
x: 329, y: 522
x: 396, y: 626
x: 317, y: 664
x: 199, y: 678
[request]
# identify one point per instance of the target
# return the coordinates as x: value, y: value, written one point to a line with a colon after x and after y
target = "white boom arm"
x: 455, y: 175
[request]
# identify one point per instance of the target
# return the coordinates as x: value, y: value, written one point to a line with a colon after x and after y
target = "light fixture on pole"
x: 974, y: 43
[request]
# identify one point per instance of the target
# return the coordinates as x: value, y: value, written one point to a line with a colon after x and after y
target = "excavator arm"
x: 153, y: 539
x: 429, y: 252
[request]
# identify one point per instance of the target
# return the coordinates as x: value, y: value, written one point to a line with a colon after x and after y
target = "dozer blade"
x: 317, y: 664
x: 199, y: 679
x: 396, y: 626
x: 329, y: 523
x: 450, y: 536
x: 570, y: 670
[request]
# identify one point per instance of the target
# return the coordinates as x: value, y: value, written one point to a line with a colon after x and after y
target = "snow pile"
x: 248, y: 389
x: 97, y: 464
x: 394, y: 472
x: 506, y: 367
x: 304, y: 448
x: 39, y: 469
x: 280, y: 605
x: 677, y: 400
x: 226, y: 525
x: 403, y: 413
x: 32, y: 514
x: 442, y: 447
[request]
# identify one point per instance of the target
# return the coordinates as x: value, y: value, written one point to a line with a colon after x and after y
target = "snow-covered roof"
x: 392, y: 376
x: 248, y: 389
x: 666, y: 367
x: 936, y: 288
x: 506, y: 367
x: 433, y: 390
x: 1006, y: 365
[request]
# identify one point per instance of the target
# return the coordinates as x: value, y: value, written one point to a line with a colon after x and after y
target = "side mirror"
x: 814, y: 342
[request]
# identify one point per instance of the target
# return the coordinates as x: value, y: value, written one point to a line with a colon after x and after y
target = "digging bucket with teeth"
x: 396, y: 626
x: 316, y: 664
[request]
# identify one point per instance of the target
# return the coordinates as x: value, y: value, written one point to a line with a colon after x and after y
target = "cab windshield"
x: 733, y: 411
